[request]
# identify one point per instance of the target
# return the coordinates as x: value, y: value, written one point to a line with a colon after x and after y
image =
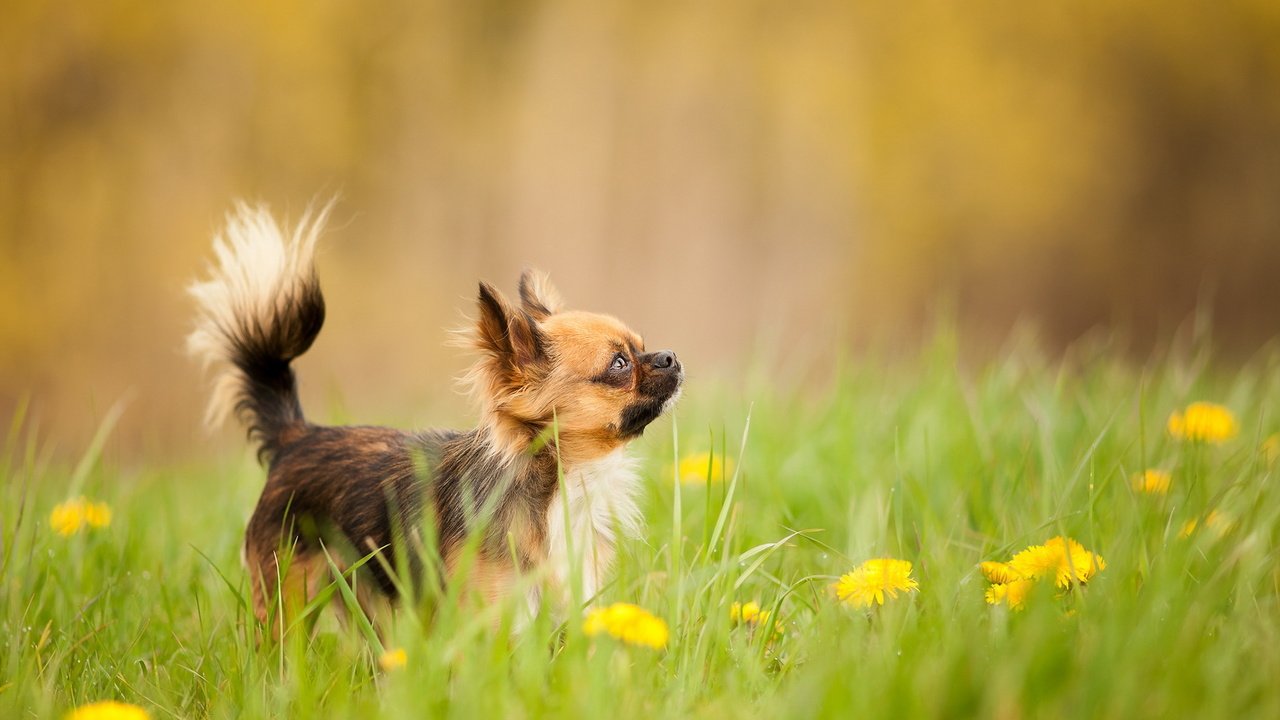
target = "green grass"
x: 912, y: 459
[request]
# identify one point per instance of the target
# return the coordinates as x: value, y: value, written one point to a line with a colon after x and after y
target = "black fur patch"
x: 638, y: 416
x: 267, y: 401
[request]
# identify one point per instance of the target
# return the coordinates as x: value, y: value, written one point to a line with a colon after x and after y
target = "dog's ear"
x: 538, y: 296
x: 507, y: 335
x: 491, y: 326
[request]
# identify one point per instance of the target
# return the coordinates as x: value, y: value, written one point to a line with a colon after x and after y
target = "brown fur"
x: 558, y: 390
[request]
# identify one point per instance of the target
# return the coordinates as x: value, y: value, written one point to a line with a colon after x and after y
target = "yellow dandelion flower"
x: 749, y: 613
x: 693, y: 469
x: 1153, y: 482
x: 71, y: 517
x: 1036, y: 561
x: 1083, y: 565
x: 869, y: 582
x: 1219, y: 522
x: 108, y: 710
x: 1271, y: 448
x: 1012, y: 593
x: 1063, y: 558
x: 97, y: 515
x: 998, y: 572
x: 1203, y: 422
x: 393, y: 659
x: 629, y: 623
x: 67, y: 518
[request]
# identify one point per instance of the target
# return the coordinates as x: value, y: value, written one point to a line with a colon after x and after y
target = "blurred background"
x: 750, y: 183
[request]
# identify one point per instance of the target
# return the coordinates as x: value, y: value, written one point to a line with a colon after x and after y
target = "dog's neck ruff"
x: 596, y: 507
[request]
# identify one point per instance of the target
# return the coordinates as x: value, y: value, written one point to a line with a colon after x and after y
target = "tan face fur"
x: 586, y: 373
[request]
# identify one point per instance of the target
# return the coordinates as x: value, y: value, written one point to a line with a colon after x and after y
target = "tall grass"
x: 914, y: 459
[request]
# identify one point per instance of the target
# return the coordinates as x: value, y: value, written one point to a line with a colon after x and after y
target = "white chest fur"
x: 584, y: 522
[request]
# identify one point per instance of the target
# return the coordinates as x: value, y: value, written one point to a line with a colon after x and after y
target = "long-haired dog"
x: 561, y: 394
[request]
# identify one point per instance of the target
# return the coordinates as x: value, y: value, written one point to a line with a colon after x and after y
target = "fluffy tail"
x: 259, y: 309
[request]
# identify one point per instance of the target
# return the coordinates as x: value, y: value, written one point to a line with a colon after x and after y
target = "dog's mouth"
x: 660, y: 397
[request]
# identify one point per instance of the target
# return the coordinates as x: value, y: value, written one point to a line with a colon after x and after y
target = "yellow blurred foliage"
x: 724, y: 175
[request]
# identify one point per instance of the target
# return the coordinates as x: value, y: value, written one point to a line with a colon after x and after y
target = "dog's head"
x: 586, y: 373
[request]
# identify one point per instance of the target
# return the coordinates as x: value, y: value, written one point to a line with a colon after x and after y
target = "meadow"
x: 926, y: 459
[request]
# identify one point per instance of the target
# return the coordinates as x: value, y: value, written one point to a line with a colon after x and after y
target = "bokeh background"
x: 755, y: 184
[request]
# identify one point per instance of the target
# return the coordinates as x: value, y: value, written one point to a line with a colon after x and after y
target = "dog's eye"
x: 619, y: 363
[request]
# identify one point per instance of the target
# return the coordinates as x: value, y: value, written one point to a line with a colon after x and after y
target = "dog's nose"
x: 664, y: 360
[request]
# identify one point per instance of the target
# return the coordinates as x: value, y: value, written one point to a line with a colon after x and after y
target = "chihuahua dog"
x: 561, y: 394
